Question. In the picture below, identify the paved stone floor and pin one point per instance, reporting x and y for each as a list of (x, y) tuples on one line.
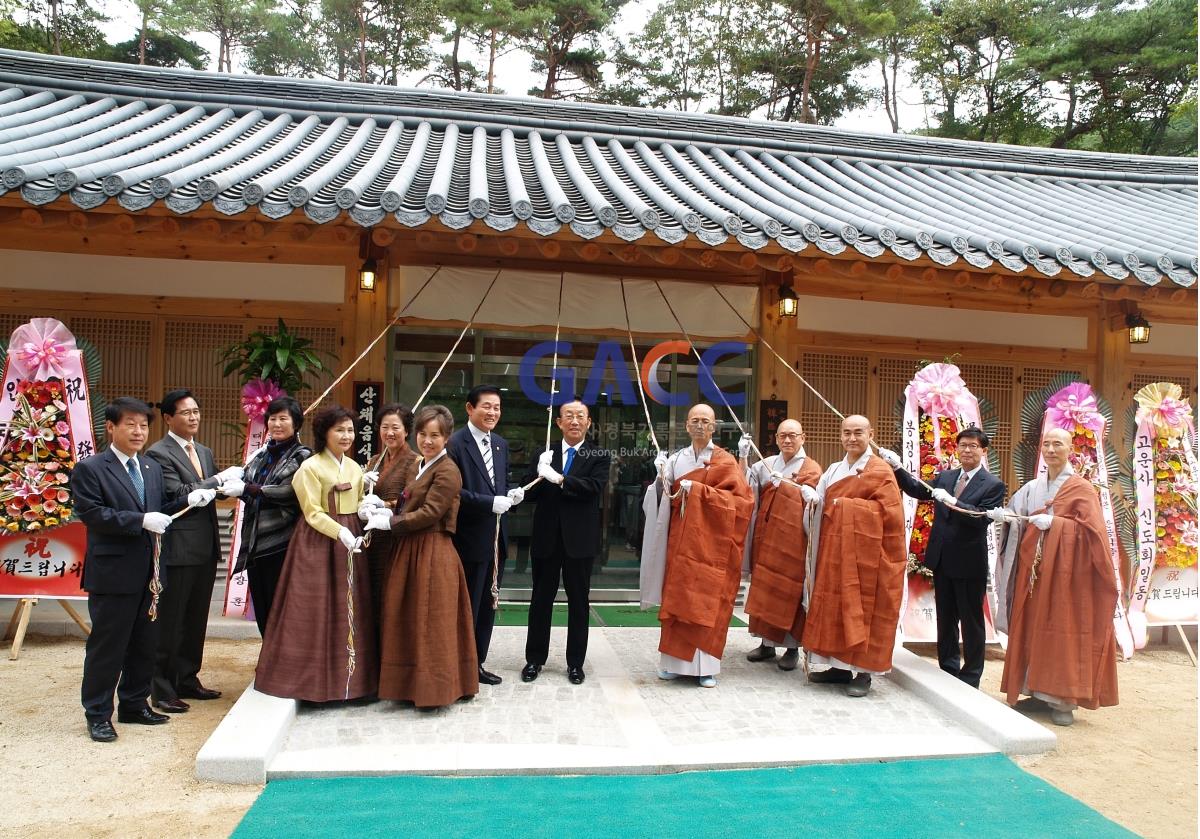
[(623, 718)]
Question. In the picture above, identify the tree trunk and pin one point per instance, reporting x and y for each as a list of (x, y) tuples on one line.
[(55, 35), (491, 77), (455, 71), (142, 40), (362, 43)]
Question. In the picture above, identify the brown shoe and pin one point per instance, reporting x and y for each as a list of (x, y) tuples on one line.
[(172, 706)]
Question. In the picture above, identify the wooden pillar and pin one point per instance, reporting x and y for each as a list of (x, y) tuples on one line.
[(1113, 375), (366, 316)]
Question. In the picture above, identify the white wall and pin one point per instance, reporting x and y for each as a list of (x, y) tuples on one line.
[(171, 277), (823, 314)]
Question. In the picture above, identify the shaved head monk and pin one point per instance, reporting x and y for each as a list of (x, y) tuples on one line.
[(858, 558), (1059, 592), (704, 519), (777, 545)]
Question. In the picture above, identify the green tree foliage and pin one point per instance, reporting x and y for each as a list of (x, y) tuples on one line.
[(61, 27), (563, 39), (161, 49)]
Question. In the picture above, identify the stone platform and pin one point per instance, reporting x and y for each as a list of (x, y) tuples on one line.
[(623, 719)]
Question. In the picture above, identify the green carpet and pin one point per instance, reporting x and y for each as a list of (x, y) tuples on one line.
[(984, 797), (633, 615), (517, 614)]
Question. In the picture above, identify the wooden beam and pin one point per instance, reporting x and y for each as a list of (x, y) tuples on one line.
[(467, 242), (383, 236), (508, 247)]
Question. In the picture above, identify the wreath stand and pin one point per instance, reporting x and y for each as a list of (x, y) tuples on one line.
[(18, 624)]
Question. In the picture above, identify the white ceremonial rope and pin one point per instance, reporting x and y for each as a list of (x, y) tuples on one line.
[(637, 369), (554, 368), (457, 341), (815, 392), (312, 405)]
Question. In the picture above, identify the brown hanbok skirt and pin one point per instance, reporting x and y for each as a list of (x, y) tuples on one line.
[(428, 638), (314, 648)]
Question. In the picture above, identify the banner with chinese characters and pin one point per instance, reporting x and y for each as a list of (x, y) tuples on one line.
[(367, 399), (1164, 473), (937, 405), (45, 428), (771, 412)]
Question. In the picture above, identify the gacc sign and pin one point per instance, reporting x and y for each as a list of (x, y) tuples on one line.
[(610, 356)]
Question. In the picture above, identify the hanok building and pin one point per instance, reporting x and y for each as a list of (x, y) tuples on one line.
[(163, 214)]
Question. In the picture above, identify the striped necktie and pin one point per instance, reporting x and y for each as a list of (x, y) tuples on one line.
[(486, 447), (963, 480), (135, 475)]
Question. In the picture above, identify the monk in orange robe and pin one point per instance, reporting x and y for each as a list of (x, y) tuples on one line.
[(858, 557), (706, 523), (1062, 648), (778, 546)]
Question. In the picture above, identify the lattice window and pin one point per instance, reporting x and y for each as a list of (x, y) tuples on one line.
[(893, 376), (9, 321), (842, 379), (125, 357), (1036, 378), (1149, 377), (994, 382), (190, 360)]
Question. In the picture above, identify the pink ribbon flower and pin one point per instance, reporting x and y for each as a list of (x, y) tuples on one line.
[(41, 348), (257, 394), (940, 390), (1075, 405)]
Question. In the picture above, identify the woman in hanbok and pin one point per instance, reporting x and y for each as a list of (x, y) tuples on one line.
[(428, 641), (320, 644), (270, 509), (386, 476)]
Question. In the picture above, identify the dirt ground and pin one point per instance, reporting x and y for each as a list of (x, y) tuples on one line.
[(1135, 763)]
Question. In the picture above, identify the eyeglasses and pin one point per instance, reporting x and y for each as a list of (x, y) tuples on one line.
[(787, 435), (969, 446)]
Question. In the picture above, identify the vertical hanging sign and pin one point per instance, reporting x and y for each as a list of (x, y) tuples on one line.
[(367, 399)]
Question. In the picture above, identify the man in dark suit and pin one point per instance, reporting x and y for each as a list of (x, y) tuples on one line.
[(482, 457), (119, 498), (191, 550), (565, 538), (957, 550)]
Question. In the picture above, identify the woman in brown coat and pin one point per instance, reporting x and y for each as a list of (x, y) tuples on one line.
[(428, 641), (388, 473)]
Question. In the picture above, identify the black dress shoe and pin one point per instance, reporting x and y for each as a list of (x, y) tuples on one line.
[(198, 692), (142, 716), (486, 678), (172, 706), (832, 676), (528, 673), (860, 685), (575, 674), (102, 732)]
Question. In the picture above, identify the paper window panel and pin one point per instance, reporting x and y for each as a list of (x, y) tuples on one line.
[(124, 345), (842, 379), (190, 360)]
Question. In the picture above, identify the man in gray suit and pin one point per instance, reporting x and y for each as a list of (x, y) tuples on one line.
[(190, 552)]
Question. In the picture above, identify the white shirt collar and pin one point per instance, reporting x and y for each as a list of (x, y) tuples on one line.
[(566, 445), (124, 458), (971, 474), (183, 443), (479, 434)]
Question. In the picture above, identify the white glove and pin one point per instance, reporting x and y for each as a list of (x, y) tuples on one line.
[(810, 495), (371, 477), (944, 497), (229, 474), (501, 504), (1041, 521), (776, 478), (516, 495), (201, 497), (348, 539), (156, 522), (1000, 514), (890, 458), (744, 446), (546, 471), (234, 488), (371, 500), (685, 485), (545, 457), (379, 520), (660, 461)]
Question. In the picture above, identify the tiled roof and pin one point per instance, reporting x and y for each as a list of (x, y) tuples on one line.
[(95, 132)]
